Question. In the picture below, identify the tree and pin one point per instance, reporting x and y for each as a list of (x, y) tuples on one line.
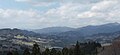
[(71, 52), (9, 53), (53, 51), (59, 53), (15, 52), (36, 49), (77, 50), (98, 45), (91, 48), (65, 51), (26, 52), (46, 52)]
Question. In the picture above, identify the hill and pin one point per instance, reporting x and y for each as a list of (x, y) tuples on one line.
[(53, 30), (15, 31)]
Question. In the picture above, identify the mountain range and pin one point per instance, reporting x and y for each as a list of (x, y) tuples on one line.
[(83, 31), (66, 35), (14, 32), (102, 33), (53, 30)]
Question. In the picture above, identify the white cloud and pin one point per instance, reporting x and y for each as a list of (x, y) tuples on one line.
[(71, 14), (104, 5), (7, 13), (22, 0), (63, 1), (18, 18), (49, 2), (101, 10)]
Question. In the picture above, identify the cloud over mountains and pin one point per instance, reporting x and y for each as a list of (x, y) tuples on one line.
[(46, 13)]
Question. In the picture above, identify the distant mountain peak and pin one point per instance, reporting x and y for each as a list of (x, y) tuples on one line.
[(115, 23), (111, 24), (53, 30), (87, 30)]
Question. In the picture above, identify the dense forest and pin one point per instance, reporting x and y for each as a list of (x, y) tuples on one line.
[(89, 48)]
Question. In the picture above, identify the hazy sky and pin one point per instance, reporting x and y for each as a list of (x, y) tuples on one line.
[(46, 13)]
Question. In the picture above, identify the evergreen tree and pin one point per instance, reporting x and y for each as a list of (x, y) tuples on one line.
[(59, 53), (91, 48), (36, 49), (98, 45), (71, 52), (15, 52), (77, 50), (53, 52), (26, 52), (46, 52), (65, 51), (9, 53)]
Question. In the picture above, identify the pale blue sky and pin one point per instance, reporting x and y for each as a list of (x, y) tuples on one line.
[(34, 14)]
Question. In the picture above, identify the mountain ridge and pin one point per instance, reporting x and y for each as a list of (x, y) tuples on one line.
[(87, 30), (53, 30)]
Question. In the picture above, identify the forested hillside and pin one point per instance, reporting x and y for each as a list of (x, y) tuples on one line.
[(89, 48)]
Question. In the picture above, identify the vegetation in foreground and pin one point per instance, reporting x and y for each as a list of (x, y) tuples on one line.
[(89, 48)]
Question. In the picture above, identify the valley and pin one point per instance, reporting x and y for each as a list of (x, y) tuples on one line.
[(19, 39)]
